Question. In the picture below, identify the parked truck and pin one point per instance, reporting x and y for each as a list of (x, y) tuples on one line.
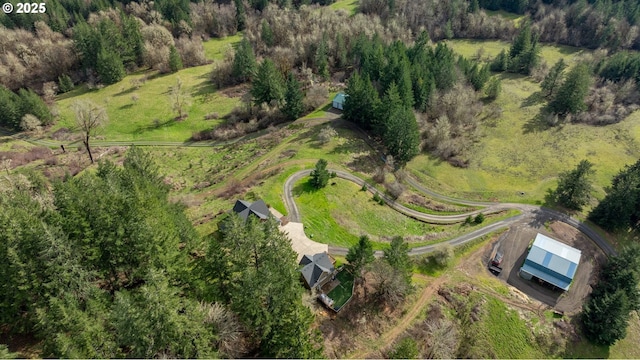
[(495, 264)]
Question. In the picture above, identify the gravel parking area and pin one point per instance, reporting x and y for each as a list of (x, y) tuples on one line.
[(514, 244)]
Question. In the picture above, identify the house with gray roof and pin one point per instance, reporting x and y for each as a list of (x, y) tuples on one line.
[(317, 269), (258, 208)]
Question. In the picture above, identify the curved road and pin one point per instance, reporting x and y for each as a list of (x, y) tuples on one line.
[(529, 212)]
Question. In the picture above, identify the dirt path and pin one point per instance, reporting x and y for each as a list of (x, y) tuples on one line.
[(405, 322)]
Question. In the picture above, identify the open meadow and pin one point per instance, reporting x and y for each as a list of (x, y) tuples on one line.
[(139, 107), (517, 154)]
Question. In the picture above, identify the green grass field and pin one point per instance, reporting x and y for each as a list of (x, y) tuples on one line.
[(516, 154), (340, 213), (507, 333), (351, 6), (151, 117), (343, 292)]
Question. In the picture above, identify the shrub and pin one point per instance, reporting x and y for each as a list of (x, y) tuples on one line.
[(442, 255), (65, 84), (316, 96), (30, 123), (364, 187), (406, 349), (479, 219), (395, 189), (326, 134)]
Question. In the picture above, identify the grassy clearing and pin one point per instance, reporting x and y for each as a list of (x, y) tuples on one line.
[(340, 213), (351, 6), (215, 49), (507, 333), (151, 117), (517, 155), (516, 18), (343, 292)]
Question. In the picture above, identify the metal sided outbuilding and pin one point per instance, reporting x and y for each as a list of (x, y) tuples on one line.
[(552, 261), (338, 101)]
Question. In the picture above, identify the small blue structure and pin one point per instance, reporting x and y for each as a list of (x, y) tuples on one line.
[(551, 261), (338, 101)]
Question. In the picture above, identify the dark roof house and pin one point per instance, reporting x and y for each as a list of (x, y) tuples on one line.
[(551, 261), (317, 270), (257, 208)]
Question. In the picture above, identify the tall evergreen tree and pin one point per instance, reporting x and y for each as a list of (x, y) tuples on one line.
[(241, 16), (109, 67), (399, 129), (10, 104), (244, 62), (268, 84), (266, 33), (553, 78), (574, 187), (265, 289), (397, 255), (175, 61), (293, 98), (360, 255), (322, 60), (620, 209), (571, 94), (320, 175), (361, 102)]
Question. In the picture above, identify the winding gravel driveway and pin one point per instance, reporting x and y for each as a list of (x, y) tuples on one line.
[(529, 213)]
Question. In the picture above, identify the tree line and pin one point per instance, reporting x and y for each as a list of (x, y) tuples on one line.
[(103, 265)]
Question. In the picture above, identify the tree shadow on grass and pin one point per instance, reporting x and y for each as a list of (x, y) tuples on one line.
[(126, 92), (537, 124), (303, 187), (363, 164), (156, 124), (533, 99), (204, 88)]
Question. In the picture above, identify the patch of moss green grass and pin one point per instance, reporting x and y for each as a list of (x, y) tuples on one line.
[(215, 48), (518, 154), (351, 6)]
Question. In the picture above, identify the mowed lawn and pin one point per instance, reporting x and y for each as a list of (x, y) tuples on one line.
[(516, 153), (340, 213), (341, 293), (151, 117)]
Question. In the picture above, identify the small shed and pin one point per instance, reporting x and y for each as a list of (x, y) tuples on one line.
[(338, 101), (551, 261)]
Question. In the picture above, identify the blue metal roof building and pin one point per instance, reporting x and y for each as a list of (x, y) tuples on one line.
[(338, 100), (551, 261)]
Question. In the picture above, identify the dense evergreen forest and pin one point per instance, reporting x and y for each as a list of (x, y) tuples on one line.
[(129, 277)]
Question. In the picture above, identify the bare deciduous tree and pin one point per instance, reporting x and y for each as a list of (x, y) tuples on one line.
[(180, 99), (90, 119)]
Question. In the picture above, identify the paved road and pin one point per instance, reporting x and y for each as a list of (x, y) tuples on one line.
[(530, 213)]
